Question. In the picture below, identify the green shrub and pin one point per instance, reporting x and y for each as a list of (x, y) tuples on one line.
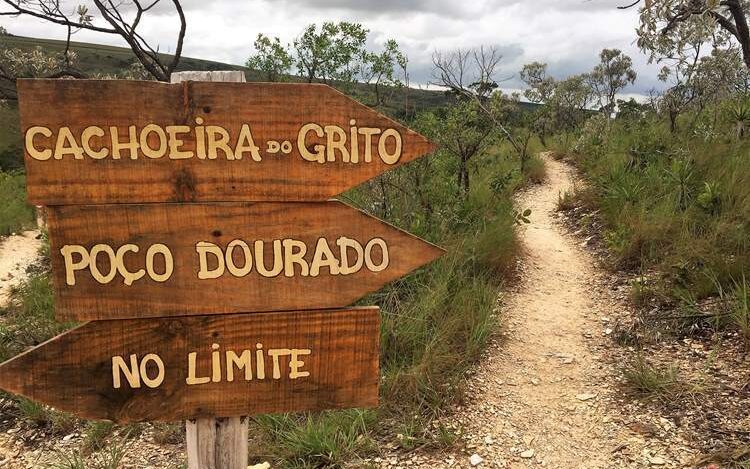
[(649, 380), (29, 318), (15, 212), (326, 440), (675, 203)]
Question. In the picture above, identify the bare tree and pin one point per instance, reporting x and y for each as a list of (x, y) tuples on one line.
[(119, 18), (472, 74)]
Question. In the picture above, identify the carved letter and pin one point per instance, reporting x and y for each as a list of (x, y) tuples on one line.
[(175, 142), (66, 145), (292, 256), (260, 263), (319, 154), (344, 244), (148, 381), (245, 143), (86, 136), (203, 248), (295, 364), (31, 149), (323, 257), (161, 150), (233, 269), (368, 255), (168, 262), (390, 158), (67, 252), (336, 144), (131, 373)]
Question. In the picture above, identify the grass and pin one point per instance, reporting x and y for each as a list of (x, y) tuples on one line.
[(108, 458), (29, 319), (740, 309), (57, 422), (95, 434), (328, 439), (674, 204), (730, 458), (15, 212), (535, 171), (648, 380)]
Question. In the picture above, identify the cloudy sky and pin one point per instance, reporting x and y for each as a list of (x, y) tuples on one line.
[(567, 34)]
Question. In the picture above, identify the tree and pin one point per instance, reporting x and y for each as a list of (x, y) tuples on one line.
[(380, 69), (33, 63), (540, 86), (663, 24), (270, 57), (332, 52), (565, 103), (464, 131), (472, 75), (610, 76), (116, 18), (570, 102)]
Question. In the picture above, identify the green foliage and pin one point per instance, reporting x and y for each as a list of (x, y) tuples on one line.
[(331, 51), (674, 203), (15, 212), (651, 381), (739, 311), (95, 434), (29, 320), (610, 76), (325, 440), (44, 416), (271, 58), (108, 458)]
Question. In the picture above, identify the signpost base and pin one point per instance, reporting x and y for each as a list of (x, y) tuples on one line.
[(217, 443)]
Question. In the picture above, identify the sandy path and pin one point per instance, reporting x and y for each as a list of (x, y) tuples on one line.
[(539, 397), (17, 252)]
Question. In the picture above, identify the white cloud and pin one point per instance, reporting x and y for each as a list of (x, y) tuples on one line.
[(567, 34)]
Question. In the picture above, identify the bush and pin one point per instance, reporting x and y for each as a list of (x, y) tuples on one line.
[(15, 212), (678, 203)]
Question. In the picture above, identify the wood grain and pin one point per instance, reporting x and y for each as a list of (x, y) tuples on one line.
[(273, 111), (73, 372), (181, 226)]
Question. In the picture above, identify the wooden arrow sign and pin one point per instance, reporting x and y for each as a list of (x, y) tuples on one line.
[(151, 260), (205, 366), (110, 141)]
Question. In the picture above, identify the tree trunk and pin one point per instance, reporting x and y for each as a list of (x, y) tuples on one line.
[(463, 176)]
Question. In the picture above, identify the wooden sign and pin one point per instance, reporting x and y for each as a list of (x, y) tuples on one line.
[(110, 141), (205, 366), (129, 261)]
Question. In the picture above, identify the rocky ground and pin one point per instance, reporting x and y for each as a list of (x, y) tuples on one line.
[(17, 252)]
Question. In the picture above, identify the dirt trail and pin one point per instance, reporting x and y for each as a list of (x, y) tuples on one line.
[(17, 252), (540, 396)]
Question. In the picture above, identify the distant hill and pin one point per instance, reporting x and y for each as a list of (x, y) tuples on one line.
[(97, 58)]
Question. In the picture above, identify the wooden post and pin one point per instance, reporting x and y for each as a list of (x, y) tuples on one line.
[(215, 443)]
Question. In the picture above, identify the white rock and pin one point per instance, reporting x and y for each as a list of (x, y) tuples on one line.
[(657, 461), (263, 465), (585, 396), (528, 454), (475, 460)]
